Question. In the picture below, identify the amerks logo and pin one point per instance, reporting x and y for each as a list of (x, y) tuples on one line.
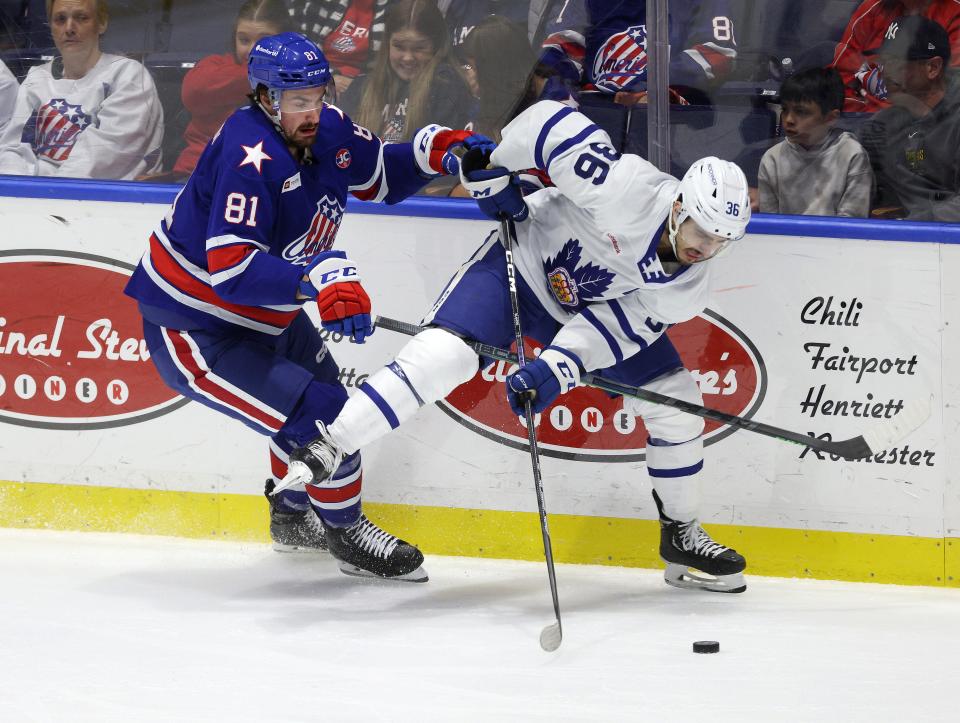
[(72, 354), (343, 158), (321, 234), (587, 425), (621, 63)]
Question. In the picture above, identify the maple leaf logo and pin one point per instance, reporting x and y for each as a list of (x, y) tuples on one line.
[(572, 285)]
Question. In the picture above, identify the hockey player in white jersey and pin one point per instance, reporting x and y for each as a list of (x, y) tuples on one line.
[(607, 260)]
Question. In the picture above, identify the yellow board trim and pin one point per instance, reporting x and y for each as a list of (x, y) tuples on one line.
[(579, 539)]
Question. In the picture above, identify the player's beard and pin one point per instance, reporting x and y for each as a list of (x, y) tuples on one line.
[(300, 139)]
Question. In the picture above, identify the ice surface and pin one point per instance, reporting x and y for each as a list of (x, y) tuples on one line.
[(123, 628)]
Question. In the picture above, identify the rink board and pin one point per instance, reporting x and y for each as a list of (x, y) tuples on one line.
[(92, 440)]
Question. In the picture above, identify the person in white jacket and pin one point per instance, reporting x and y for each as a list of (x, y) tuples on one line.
[(8, 95), (85, 114)]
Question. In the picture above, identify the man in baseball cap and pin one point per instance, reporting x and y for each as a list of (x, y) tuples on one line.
[(915, 54), (914, 146)]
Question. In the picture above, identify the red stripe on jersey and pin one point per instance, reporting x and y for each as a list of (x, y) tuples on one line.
[(718, 61), (212, 388), (367, 194), (572, 49), (335, 494), (179, 278), (223, 257), (278, 468)]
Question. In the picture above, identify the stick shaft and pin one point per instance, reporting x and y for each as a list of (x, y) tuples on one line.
[(507, 236), (854, 448)]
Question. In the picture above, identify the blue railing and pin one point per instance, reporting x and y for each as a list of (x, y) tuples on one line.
[(821, 226)]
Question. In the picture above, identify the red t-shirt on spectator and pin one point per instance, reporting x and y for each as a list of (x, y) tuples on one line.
[(865, 31), (348, 46), (211, 91)]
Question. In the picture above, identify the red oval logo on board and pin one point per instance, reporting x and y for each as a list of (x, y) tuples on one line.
[(588, 425), (72, 354)]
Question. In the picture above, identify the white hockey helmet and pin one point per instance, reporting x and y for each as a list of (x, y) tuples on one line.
[(714, 194)]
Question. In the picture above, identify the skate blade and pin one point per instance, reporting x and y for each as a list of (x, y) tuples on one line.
[(688, 578), (299, 549), (418, 575), (297, 474)]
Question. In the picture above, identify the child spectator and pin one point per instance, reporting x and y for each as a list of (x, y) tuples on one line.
[(862, 75), (218, 84), (350, 33), (86, 113), (412, 80), (8, 95), (818, 170)]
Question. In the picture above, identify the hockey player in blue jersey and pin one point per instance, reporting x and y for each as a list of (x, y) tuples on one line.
[(244, 246), (702, 44), (647, 239)]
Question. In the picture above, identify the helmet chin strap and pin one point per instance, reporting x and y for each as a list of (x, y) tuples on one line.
[(674, 222), (275, 104)]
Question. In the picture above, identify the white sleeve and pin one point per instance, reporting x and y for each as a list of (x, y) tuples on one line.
[(608, 332), (580, 159), (16, 157), (8, 95), (127, 140)]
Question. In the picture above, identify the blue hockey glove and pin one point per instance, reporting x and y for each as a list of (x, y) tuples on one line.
[(495, 190), (343, 304), (542, 380), (433, 148)]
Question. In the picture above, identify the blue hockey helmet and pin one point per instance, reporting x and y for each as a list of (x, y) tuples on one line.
[(286, 61)]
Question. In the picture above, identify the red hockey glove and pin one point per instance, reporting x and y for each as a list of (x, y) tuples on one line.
[(343, 304), (433, 147)]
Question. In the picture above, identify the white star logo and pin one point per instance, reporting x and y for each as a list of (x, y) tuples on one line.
[(255, 156)]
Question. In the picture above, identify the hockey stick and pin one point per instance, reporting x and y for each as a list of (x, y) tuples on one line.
[(551, 635), (878, 437)]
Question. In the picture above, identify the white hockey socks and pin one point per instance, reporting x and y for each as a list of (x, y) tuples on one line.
[(674, 470), (428, 368)]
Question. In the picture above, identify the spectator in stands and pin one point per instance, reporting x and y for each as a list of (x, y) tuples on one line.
[(914, 145), (702, 46), (350, 33), (818, 170), (541, 19), (86, 113), (412, 80), (862, 76), (8, 95), (218, 84), (506, 75)]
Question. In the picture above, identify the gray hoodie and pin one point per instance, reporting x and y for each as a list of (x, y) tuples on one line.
[(832, 179)]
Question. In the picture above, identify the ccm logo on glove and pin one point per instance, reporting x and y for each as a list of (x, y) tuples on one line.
[(541, 381), (344, 306)]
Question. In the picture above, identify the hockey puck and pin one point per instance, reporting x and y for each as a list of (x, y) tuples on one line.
[(706, 646)]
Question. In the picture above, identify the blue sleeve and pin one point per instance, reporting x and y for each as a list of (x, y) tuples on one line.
[(702, 42), (382, 172)]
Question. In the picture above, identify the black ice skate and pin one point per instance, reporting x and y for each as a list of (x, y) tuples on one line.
[(293, 530), (696, 561), (312, 463), (365, 550)]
